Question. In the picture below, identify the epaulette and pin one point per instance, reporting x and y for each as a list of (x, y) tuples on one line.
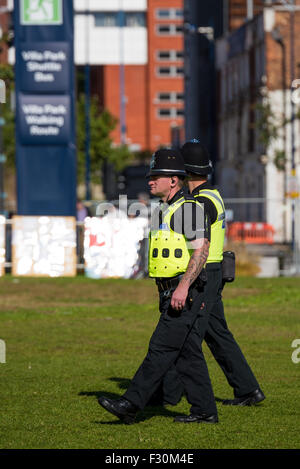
[(189, 197)]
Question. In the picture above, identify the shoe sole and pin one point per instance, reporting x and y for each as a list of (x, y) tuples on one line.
[(201, 421), (247, 402), (252, 401), (208, 423), (127, 419), (196, 421)]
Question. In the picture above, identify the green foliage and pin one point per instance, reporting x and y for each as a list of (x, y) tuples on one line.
[(269, 127), (280, 159), (265, 124), (8, 134), (101, 145), (7, 74)]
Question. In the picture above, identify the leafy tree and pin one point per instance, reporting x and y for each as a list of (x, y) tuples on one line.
[(8, 130), (101, 144), (269, 127), (265, 123)]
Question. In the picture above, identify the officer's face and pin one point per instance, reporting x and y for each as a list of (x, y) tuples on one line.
[(159, 186)]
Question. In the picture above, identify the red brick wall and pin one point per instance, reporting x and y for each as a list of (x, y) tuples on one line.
[(142, 85), (274, 51), (4, 20), (135, 92), (159, 130), (237, 12)]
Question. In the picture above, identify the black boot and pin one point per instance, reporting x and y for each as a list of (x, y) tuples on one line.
[(121, 408), (202, 418), (248, 399)]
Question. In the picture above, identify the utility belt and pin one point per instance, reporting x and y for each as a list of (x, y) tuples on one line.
[(164, 284), (168, 284)]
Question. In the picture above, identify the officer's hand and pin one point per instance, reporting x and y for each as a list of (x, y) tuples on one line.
[(179, 297)]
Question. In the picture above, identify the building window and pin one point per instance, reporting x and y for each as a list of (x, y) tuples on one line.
[(169, 113), (164, 96), (179, 112), (179, 28), (172, 97), (131, 19), (171, 71), (164, 55), (106, 19), (169, 13), (135, 19), (179, 96), (169, 55), (169, 29), (163, 13), (163, 29), (164, 71), (179, 71), (164, 112), (179, 13)]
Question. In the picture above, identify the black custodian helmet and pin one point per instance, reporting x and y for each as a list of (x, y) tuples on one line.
[(167, 162), (196, 158)]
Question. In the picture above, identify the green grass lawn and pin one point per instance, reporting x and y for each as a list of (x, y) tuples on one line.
[(70, 340)]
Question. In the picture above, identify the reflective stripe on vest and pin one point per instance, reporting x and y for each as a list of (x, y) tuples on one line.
[(168, 252), (218, 227)]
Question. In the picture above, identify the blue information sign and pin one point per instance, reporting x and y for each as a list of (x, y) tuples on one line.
[(44, 120), (45, 67), (45, 104)]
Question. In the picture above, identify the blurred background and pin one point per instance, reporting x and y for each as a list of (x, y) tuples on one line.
[(146, 74)]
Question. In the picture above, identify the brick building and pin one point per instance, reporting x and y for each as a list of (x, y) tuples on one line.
[(254, 81), (239, 10), (135, 50), (4, 27)]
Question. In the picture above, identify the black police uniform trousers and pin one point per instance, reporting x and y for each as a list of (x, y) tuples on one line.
[(176, 342), (221, 342)]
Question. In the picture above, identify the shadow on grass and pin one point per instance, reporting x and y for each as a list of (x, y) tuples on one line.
[(123, 383), (147, 413), (219, 399)]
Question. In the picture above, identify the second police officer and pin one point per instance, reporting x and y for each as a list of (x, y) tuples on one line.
[(218, 337)]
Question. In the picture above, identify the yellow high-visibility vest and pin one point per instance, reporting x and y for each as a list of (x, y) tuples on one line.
[(217, 235), (168, 252)]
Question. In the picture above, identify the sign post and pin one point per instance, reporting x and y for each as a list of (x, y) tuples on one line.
[(45, 103)]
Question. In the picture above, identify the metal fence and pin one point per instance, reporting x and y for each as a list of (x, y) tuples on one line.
[(280, 242)]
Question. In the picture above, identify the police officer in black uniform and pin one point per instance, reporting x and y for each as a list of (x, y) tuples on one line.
[(176, 259), (218, 337)]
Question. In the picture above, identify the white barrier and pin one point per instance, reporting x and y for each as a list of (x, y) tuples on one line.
[(113, 246), (2, 244), (43, 246)]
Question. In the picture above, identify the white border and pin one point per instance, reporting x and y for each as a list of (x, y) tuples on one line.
[(36, 23)]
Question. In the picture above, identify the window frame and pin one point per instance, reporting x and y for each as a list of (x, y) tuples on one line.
[(173, 71), (173, 55), (172, 29), (173, 97), (173, 13), (173, 113)]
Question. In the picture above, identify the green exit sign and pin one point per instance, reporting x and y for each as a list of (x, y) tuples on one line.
[(41, 12)]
